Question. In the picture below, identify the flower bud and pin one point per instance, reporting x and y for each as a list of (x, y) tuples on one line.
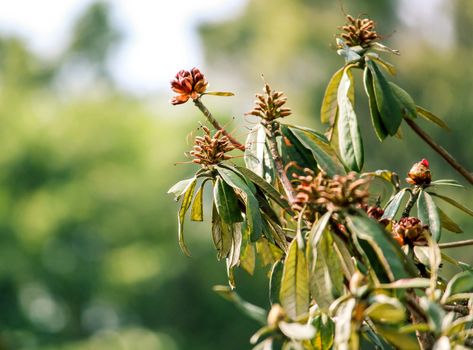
[(419, 174)]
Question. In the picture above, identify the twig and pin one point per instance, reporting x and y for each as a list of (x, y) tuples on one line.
[(426, 339), (412, 201), (216, 125), (461, 309), (273, 149), (440, 150), (456, 244)]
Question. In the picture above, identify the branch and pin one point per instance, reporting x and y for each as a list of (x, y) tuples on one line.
[(460, 309), (440, 150), (411, 202), (216, 125), (273, 149), (456, 244), (426, 339)]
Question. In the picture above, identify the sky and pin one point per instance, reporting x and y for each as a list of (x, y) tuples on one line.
[(159, 34)]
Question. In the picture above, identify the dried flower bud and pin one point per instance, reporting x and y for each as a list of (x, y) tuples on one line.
[(188, 84), (410, 230), (209, 150), (419, 174), (269, 105), (359, 32)]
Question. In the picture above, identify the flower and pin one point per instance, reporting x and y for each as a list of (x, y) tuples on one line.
[(409, 230), (211, 150), (419, 174), (270, 105), (359, 32), (188, 85)]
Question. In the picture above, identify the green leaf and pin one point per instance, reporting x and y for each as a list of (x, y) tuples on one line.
[(329, 107), (447, 223), (435, 314), (326, 274), (407, 104), (407, 283), (446, 182), (254, 149), (226, 202), (318, 228), (221, 235), (388, 251), (275, 282), (197, 213), (269, 190), (399, 340), (219, 93), (428, 214), (268, 252), (323, 153), (253, 215), (292, 150), (255, 312), (346, 336), (388, 106), (297, 331), (385, 309), (454, 203), (350, 142), (186, 202), (181, 187), (386, 65), (460, 283), (393, 205), (325, 328), (431, 117), (378, 126), (294, 293)]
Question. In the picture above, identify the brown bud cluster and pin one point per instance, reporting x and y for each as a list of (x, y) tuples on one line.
[(188, 84), (419, 174), (374, 212), (269, 105), (211, 150), (410, 231), (321, 193), (359, 32)]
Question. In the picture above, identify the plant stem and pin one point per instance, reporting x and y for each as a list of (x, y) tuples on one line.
[(411, 202), (461, 309), (440, 150), (216, 125), (273, 149), (456, 244), (426, 339)]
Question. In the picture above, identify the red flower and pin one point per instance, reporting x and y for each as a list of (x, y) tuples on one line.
[(188, 85)]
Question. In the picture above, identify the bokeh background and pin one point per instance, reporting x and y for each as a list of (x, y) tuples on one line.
[(88, 145)]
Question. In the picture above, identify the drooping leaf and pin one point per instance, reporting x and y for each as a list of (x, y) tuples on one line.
[(233, 258), (254, 149), (294, 293), (428, 214), (221, 235), (388, 106), (186, 202), (269, 190), (323, 153), (378, 126), (434, 312), (268, 252), (275, 282), (388, 251), (431, 117), (399, 340), (197, 213), (329, 103), (317, 229), (181, 187), (297, 331), (460, 283), (350, 141), (255, 312), (447, 223), (248, 259), (454, 203), (226, 202), (407, 283), (407, 104), (446, 182), (253, 215), (393, 205)]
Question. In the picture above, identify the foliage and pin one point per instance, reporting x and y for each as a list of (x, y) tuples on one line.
[(345, 270)]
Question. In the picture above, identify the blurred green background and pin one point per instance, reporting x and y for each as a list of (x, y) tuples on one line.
[(88, 245)]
